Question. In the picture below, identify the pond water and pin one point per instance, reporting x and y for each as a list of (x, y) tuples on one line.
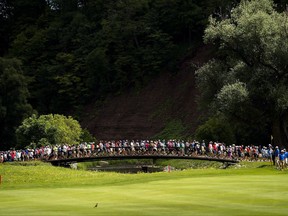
[(128, 169)]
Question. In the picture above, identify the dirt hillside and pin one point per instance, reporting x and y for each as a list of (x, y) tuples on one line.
[(143, 114)]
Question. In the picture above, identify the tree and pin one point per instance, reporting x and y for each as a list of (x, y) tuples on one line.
[(54, 56), (5, 30), (53, 129), (14, 106), (251, 69), (86, 49), (136, 47)]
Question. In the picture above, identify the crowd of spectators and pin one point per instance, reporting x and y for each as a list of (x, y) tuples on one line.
[(143, 147)]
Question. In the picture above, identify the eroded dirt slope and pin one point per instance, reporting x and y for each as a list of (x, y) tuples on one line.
[(143, 114)]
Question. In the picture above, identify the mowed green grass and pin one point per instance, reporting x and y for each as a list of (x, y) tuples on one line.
[(45, 190)]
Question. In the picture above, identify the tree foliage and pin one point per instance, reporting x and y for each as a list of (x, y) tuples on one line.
[(14, 106), (252, 66), (89, 49), (48, 129), (79, 50), (75, 51), (216, 129)]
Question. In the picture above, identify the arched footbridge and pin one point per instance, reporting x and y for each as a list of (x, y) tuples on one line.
[(66, 161)]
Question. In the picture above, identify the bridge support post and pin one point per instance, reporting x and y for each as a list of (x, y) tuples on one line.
[(145, 169), (227, 164)]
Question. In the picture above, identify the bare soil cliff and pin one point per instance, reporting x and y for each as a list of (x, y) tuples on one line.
[(145, 113)]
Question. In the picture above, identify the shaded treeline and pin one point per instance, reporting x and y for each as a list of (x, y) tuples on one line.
[(72, 51), (57, 55)]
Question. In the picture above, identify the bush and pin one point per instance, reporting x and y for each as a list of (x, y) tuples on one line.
[(216, 129), (48, 129)]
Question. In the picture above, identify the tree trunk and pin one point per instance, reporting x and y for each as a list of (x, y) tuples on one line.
[(280, 131), (136, 40)]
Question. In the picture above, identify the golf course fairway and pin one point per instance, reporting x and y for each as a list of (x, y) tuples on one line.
[(42, 189)]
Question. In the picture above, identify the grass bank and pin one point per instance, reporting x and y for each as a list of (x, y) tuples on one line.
[(175, 163), (41, 189)]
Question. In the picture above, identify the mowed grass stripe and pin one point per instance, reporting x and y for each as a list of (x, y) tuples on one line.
[(192, 192)]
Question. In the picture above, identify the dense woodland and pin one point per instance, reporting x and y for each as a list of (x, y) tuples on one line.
[(56, 56)]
